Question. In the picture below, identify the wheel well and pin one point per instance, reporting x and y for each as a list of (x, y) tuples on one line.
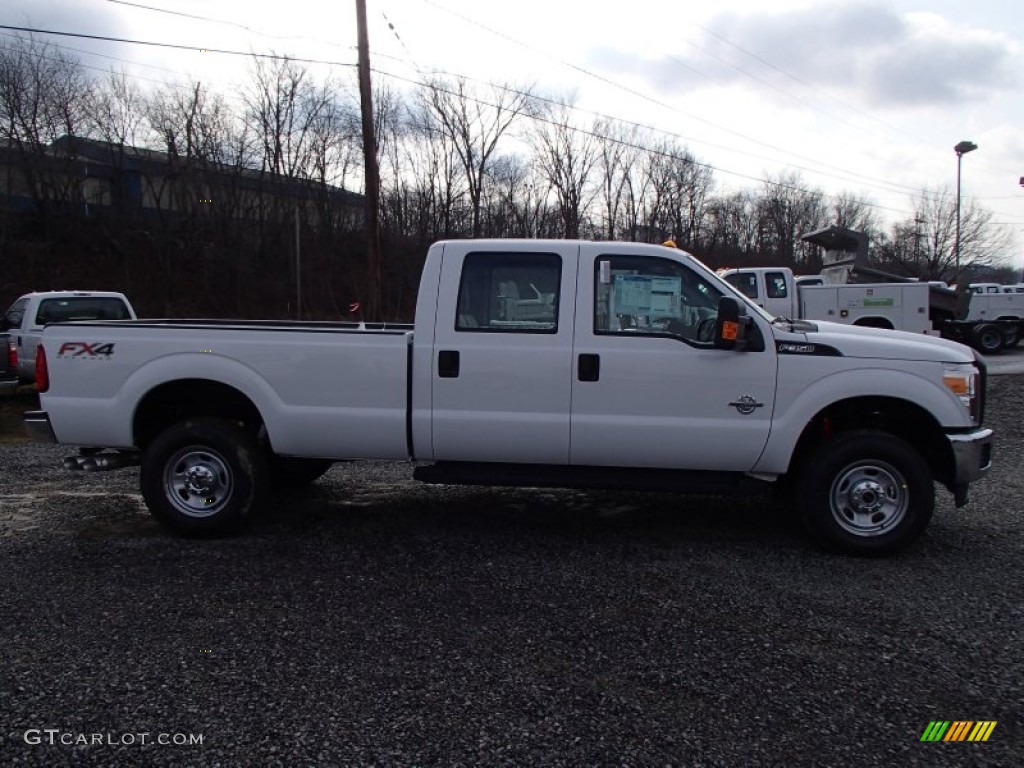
[(874, 322), (901, 418), (174, 401)]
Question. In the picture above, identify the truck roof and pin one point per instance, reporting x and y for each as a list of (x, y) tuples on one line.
[(65, 294)]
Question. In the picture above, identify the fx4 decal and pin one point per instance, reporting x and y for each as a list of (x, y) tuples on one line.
[(85, 349)]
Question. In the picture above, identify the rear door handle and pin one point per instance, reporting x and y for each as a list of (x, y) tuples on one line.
[(589, 367), (448, 364)]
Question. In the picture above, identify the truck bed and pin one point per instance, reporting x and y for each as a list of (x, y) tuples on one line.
[(327, 389)]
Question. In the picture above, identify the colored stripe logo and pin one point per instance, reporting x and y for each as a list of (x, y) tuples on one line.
[(958, 730)]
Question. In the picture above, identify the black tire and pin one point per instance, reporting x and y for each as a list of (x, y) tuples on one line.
[(866, 493), (988, 339), (203, 477), (1011, 339), (289, 472)]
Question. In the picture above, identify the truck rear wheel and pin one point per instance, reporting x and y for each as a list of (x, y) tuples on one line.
[(203, 477), (866, 493), (988, 339)]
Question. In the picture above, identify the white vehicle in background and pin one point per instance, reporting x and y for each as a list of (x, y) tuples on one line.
[(983, 288), (992, 321), (896, 306), (29, 314)]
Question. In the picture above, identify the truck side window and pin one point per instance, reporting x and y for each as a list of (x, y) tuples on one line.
[(15, 314), (775, 285), (509, 292), (744, 282), (650, 296)]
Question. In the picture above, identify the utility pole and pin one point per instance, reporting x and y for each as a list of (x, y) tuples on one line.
[(372, 172), (298, 263)]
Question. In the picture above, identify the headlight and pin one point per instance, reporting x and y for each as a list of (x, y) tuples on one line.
[(963, 382)]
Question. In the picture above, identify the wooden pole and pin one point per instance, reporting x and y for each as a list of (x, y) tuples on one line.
[(372, 172), (298, 265)]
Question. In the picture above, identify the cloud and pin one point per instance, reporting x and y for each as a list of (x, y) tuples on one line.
[(866, 49), (78, 16)]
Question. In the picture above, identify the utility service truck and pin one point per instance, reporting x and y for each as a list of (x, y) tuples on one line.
[(532, 363), (988, 320)]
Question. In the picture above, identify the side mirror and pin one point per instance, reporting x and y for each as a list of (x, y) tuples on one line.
[(730, 325)]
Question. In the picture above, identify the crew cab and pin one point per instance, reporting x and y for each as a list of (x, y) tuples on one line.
[(27, 316), (533, 363)]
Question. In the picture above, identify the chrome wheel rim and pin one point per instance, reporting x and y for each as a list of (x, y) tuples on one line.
[(869, 498), (198, 482)]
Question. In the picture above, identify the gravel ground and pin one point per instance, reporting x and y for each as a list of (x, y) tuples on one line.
[(372, 620)]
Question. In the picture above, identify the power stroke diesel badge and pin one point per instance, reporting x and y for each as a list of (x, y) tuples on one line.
[(746, 405)]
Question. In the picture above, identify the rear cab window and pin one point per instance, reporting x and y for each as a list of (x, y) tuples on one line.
[(59, 310), (509, 293)]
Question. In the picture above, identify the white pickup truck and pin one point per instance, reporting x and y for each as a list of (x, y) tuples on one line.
[(533, 363), (25, 319), (990, 322)]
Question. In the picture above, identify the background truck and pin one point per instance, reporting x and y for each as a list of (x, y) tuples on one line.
[(626, 365), (29, 314), (987, 320), (896, 306)]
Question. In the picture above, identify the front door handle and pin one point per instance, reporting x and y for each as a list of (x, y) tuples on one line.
[(448, 364), (589, 367)]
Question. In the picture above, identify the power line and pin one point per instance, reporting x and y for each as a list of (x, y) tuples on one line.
[(179, 46), (848, 173), (176, 46), (421, 83)]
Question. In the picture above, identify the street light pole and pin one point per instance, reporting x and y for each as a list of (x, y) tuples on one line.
[(961, 149)]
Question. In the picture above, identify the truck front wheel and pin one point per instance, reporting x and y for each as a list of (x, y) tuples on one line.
[(203, 477), (866, 493)]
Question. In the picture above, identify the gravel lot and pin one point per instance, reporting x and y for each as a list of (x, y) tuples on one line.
[(371, 620)]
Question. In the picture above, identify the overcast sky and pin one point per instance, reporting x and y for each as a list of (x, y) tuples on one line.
[(864, 96)]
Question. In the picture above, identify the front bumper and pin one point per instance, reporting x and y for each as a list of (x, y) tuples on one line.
[(37, 424), (972, 460)]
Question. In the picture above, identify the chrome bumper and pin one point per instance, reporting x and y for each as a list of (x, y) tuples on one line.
[(37, 424), (972, 455)]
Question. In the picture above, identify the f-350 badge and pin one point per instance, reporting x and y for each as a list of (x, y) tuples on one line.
[(746, 405)]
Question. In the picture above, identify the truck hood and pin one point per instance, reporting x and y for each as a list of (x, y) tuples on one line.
[(875, 343)]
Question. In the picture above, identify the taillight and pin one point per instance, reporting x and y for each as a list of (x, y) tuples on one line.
[(42, 373), (12, 356)]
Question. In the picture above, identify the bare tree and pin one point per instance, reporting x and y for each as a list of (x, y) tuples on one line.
[(618, 153), (44, 96), (283, 104), (787, 209), (474, 121), (925, 245), (565, 156)]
